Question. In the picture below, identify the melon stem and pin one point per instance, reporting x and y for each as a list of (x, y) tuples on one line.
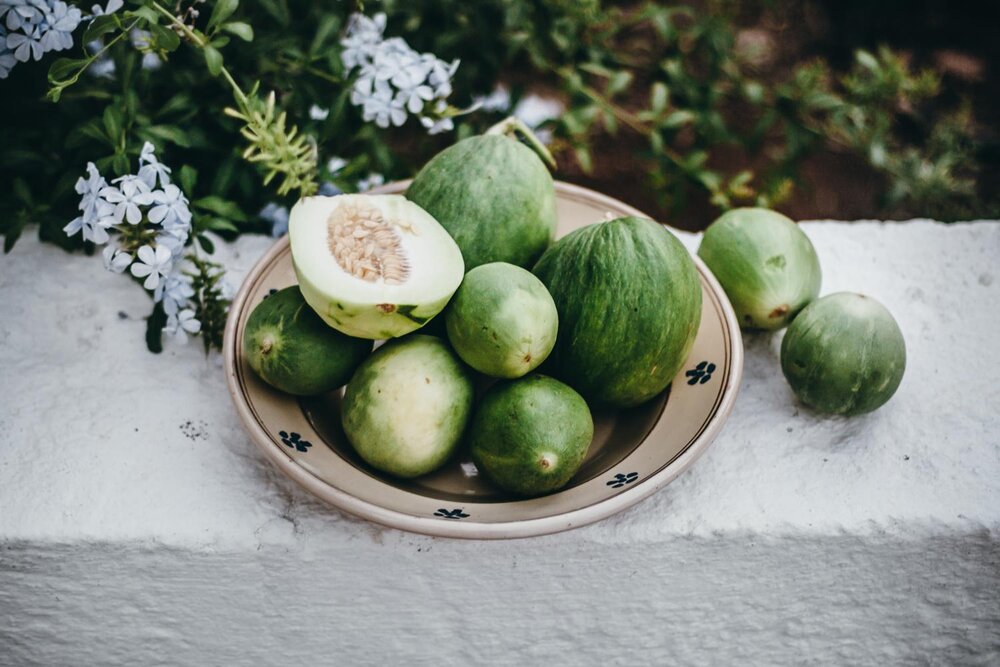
[(514, 128)]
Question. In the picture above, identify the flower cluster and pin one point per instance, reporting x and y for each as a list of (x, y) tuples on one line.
[(31, 28), (145, 220), (393, 80)]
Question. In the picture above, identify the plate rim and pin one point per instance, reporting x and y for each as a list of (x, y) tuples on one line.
[(478, 530)]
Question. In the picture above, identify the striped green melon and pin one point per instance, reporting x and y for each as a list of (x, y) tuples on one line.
[(629, 302)]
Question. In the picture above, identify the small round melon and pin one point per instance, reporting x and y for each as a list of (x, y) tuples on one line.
[(372, 266), (530, 436), (293, 350), (502, 321), (406, 407), (765, 263), (844, 354)]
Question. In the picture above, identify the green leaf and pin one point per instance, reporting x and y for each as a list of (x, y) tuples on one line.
[(206, 244), (328, 25), (63, 68), (147, 13), (13, 234), (866, 60), (154, 328), (188, 177), (169, 133), (220, 225), (113, 123), (120, 163), (214, 60), (618, 83), (223, 10), (99, 27), (22, 191), (677, 119), (165, 38), (221, 207), (242, 30), (658, 97)]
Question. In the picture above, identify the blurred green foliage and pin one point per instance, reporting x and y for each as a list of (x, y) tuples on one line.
[(673, 76)]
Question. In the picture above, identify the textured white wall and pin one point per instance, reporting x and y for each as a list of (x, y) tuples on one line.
[(138, 525)]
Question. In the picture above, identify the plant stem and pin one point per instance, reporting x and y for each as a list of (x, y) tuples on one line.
[(201, 43), (625, 116), (515, 127)]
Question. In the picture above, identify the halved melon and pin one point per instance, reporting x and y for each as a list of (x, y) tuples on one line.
[(372, 266)]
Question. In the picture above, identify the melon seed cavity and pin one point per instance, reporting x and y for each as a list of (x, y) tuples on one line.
[(366, 245)]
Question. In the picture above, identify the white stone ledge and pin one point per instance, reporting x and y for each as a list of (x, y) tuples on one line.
[(137, 520)]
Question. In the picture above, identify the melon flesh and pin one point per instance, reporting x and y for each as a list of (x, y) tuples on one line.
[(372, 266)]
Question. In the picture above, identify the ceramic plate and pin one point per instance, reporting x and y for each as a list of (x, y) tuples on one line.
[(634, 451)]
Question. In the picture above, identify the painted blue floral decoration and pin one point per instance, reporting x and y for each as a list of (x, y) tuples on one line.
[(294, 441), (451, 514), (701, 373), (621, 480)]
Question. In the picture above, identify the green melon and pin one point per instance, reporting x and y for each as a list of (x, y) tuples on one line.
[(406, 407), (502, 321), (844, 354), (293, 350), (530, 435), (493, 195), (629, 303), (765, 263), (372, 266)]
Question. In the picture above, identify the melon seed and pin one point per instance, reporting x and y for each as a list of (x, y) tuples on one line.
[(366, 245)]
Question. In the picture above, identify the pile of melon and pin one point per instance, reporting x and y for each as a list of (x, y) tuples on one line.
[(497, 338)]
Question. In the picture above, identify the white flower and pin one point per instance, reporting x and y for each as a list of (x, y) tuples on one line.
[(104, 66), (7, 59), (90, 188), (226, 290), (61, 20), (181, 324), (152, 264), (382, 108), (317, 112), (142, 41), (175, 291), (173, 241), (151, 169), (26, 45), (534, 110), (171, 207), (131, 193), (116, 260), (437, 125), (112, 7), (392, 78), (440, 73), (498, 100), (363, 37), (21, 14), (278, 217), (335, 164), (94, 229), (373, 181)]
